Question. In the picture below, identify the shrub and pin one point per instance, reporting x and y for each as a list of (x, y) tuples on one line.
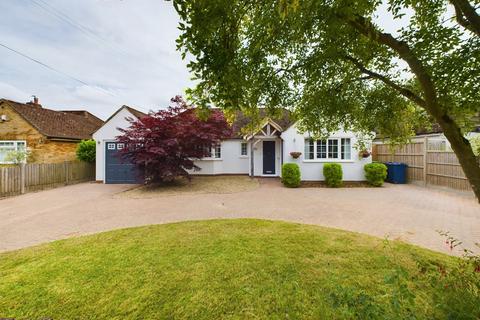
[(167, 142), (375, 173), (86, 150), (333, 174), (291, 175), (17, 157), (475, 143)]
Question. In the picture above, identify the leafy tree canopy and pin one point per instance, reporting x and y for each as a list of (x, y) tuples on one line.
[(165, 144), (334, 65), (306, 54)]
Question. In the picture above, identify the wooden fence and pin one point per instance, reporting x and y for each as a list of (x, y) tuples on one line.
[(32, 177), (428, 162)]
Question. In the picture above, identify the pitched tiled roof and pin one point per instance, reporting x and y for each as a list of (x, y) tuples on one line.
[(135, 112), (74, 125), (138, 114)]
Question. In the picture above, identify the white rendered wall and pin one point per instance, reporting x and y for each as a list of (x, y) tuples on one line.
[(312, 170), (108, 132), (231, 162)]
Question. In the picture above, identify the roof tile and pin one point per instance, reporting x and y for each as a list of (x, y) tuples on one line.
[(75, 125)]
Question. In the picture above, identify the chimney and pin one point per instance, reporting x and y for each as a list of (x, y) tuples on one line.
[(34, 102)]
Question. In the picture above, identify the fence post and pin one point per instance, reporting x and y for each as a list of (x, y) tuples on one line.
[(65, 166), (22, 178), (425, 162)]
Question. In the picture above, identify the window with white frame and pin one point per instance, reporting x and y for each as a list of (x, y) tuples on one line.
[(217, 151), (213, 152), (7, 147), (328, 149), (243, 149)]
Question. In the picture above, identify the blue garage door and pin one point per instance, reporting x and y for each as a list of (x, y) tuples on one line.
[(118, 170)]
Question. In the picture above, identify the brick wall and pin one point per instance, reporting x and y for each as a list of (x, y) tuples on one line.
[(43, 150)]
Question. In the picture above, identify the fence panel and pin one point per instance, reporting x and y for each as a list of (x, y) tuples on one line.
[(445, 170), (432, 165), (411, 154), (40, 176), (9, 181)]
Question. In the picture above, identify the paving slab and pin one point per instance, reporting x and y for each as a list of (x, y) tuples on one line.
[(406, 212)]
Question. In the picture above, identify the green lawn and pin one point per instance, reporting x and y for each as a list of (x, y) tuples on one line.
[(236, 269)]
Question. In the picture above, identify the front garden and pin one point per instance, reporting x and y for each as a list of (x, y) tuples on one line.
[(235, 269), (375, 175), (194, 185)]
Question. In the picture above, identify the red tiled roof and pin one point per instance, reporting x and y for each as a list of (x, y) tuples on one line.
[(74, 125)]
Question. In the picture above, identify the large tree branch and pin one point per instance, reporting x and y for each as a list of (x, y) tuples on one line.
[(366, 28), (409, 94), (466, 15), (452, 131)]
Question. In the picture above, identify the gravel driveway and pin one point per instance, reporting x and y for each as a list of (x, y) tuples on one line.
[(406, 212)]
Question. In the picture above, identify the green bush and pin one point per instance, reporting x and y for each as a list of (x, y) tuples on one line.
[(375, 173), (333, 174), (475, 142), (291, 175), (86, 150)]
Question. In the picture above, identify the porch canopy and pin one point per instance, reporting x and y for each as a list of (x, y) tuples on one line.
[(269, 131)]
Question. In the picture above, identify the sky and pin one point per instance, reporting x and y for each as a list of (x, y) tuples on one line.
[(109, 53), (122, 51)]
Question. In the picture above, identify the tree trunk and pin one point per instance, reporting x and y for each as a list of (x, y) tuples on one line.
[(467, 15), (430, 103), (463, 151)]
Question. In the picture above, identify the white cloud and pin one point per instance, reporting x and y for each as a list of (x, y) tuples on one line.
[(132, 54), (10, 92), (135, 57)]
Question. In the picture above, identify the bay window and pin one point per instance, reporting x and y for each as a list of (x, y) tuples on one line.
[(328, 149)]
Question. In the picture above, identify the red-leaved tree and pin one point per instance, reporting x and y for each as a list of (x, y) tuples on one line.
[(164, 144)]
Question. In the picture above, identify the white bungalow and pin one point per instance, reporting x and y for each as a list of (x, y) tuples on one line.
[(260, 154)]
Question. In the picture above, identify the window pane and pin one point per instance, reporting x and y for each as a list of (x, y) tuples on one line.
[(5, 148), (244, 150), (321, 149), (218, 151), (346, 149), (3, 154), (309, 149), (332, 148)]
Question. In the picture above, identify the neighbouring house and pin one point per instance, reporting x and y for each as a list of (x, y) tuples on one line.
[(261, 153), (50, 136)]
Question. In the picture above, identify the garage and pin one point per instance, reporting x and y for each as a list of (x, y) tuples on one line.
[(109, 165), (118, 170)]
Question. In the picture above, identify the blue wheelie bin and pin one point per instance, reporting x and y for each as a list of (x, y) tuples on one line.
[(396, 172)]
